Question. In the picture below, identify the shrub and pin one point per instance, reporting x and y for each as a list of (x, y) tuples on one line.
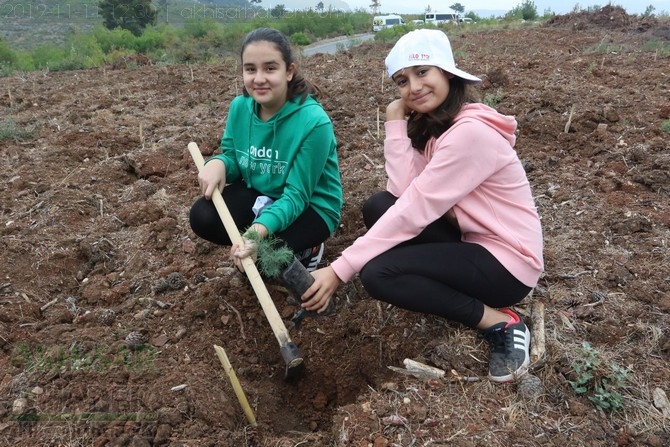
[(601, 383), (116, 39), (153, 39), (658, 46), (9, 131), (7, 56), (47, 56), (388, 35), (493, 99), (300, 39), (198, 28), (84, 50), (81, 51)]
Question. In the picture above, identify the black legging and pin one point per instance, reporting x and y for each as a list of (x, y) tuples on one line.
[(437, 273), (307, 231)]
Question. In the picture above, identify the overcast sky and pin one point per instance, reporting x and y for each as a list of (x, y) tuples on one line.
[(411, 7)]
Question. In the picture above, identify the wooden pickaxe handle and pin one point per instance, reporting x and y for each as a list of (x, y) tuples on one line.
[(277, 324)]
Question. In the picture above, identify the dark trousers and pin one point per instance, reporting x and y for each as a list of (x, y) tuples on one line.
[(436, 273), (307, 231)]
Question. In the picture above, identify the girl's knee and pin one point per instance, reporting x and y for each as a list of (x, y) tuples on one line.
[(376, 206)]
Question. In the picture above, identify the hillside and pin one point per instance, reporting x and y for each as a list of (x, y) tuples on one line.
[(30, 23)]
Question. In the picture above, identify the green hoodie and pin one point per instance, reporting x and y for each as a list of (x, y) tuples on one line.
[(290, 158)]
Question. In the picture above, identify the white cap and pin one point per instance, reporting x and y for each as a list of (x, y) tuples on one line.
[(425, 47)]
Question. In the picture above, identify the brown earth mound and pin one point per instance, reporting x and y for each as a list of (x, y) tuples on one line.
[(607, 17)]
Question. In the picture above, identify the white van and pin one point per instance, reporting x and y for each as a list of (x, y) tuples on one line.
[(438, 18), (388, 21)]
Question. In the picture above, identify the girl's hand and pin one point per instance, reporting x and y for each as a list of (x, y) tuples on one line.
[(249, 247), (397, 110), (212, 175), (318, 296)]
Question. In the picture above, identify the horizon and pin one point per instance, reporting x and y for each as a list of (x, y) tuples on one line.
[(501, 7)]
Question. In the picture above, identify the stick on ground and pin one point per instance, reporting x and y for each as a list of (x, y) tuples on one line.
[(239, 392), (537, 346)]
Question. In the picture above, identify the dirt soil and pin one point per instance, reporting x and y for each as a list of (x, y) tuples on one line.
[(95, 245)]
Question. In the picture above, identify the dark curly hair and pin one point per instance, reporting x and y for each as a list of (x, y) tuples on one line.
[(298, 85), (422, 127)]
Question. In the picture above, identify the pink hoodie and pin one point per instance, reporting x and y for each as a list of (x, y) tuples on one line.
[(471, 172)]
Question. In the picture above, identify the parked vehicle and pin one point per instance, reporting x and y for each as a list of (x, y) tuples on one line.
[(387, 21), (466, 20), (438, 18)]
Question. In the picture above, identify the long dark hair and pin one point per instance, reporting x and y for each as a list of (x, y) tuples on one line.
[(422, 127), (297, 86)]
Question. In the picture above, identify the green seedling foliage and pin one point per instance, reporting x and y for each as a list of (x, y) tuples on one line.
[(115, 39), (273, 255)]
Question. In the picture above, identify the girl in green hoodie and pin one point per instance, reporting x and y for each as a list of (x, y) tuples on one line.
[(278, 169)]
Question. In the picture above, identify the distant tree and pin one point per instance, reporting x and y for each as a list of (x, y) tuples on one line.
[(132, 15), (471, 15), (529, 10), (375, 6), (256, 2), (526, 11), (649, 11), (278, 11), (548, 13), (458, 8), (428, 8), (319, 6)]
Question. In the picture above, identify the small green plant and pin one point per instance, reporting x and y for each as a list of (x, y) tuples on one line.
[(600, 382), (6, 70), (665, 126), (658, 46), (493, 99), (9, 131), (591, 67), (273, 255)]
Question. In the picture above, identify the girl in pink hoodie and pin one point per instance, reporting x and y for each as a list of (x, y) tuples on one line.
[(456, 233)]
